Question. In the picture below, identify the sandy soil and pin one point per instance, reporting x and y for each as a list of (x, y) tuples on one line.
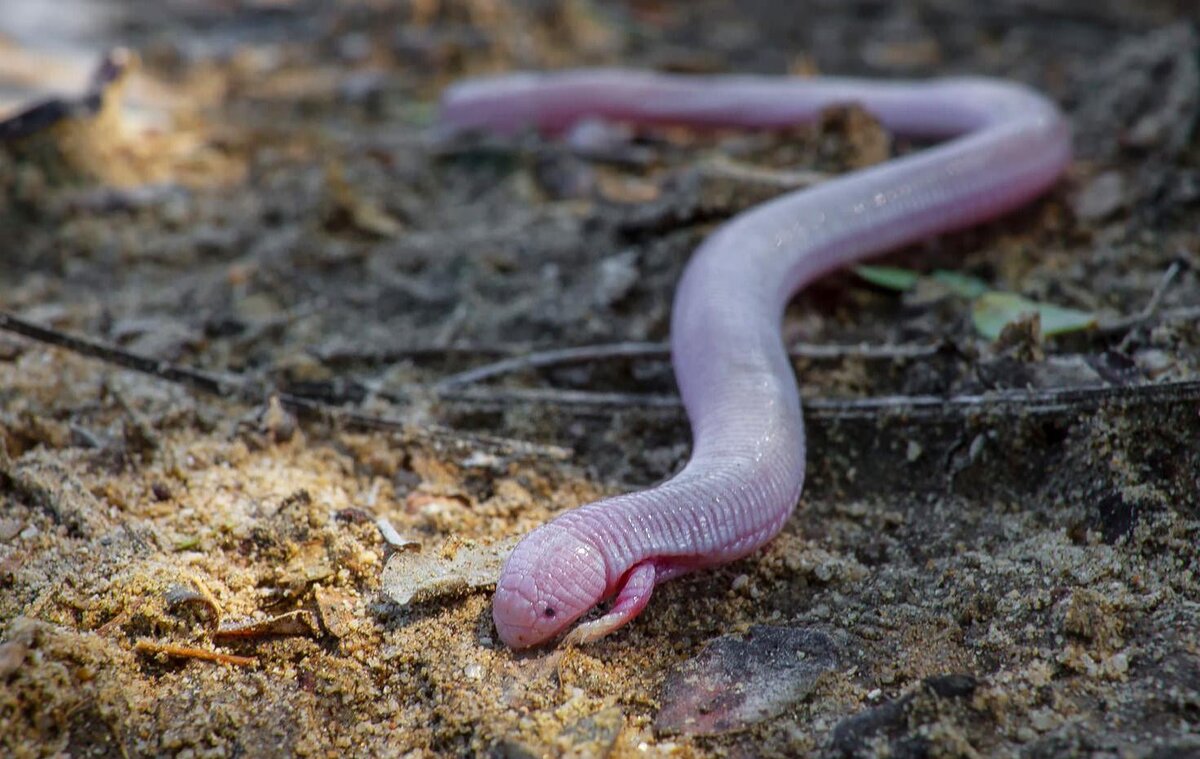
[(199, 574)]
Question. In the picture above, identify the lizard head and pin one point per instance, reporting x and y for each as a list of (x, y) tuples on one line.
[(552, 578)]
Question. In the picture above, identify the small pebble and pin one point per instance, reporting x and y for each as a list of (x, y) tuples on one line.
[(738, 681), (914, 451), (9, 529), (1102, 197), (618, 275)]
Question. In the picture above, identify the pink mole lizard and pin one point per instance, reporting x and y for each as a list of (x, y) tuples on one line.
[(747, 466)]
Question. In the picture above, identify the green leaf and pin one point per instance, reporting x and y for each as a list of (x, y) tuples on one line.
[(1057, 320), (418, 113), (962, 285), (187, 542), (890, 277), (993, 311)]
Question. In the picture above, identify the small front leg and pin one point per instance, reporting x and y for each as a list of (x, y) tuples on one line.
[(631, 599)]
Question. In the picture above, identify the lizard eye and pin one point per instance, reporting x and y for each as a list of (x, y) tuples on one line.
[(549, 612)]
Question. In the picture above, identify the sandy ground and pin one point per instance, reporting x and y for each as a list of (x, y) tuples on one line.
[(196, 573)]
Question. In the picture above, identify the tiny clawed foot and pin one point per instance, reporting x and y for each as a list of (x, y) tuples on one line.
[(631, 599)]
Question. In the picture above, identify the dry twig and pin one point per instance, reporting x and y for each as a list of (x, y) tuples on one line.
[(233, 386), (1034, 402), (590, 353), (918, 407), (188, 652)]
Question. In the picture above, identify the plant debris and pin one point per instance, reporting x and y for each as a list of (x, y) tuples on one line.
[(299, 622), (459, 566)]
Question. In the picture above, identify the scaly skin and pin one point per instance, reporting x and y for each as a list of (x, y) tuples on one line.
[(747, 466)]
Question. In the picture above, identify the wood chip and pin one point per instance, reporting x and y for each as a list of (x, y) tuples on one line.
[(299, 622), (336, 608)]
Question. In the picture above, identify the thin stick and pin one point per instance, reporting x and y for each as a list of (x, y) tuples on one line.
[(341, 356), (590, 353), (233, 386), (1146, 314), (213, 383), (436, 433), (1161, 290), (1032, 402), (496, 396), (554, 357), (187, 652)]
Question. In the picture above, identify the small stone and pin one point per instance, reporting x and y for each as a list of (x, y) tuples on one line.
[(161, 491), (823, 572), (354, 47), (513, 748), (484, 460), (277, 422), (161, 337), (1102, 197), (592, 135), (1154, 362), (12, 656), (10, 528), (618, 275), (592, 736), (336, 608), (736, 682), (1043, 720), (11, 348), (196, 605), (914, 451), (363, 88), (565, 177), (867, 729), (1118, 664)]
